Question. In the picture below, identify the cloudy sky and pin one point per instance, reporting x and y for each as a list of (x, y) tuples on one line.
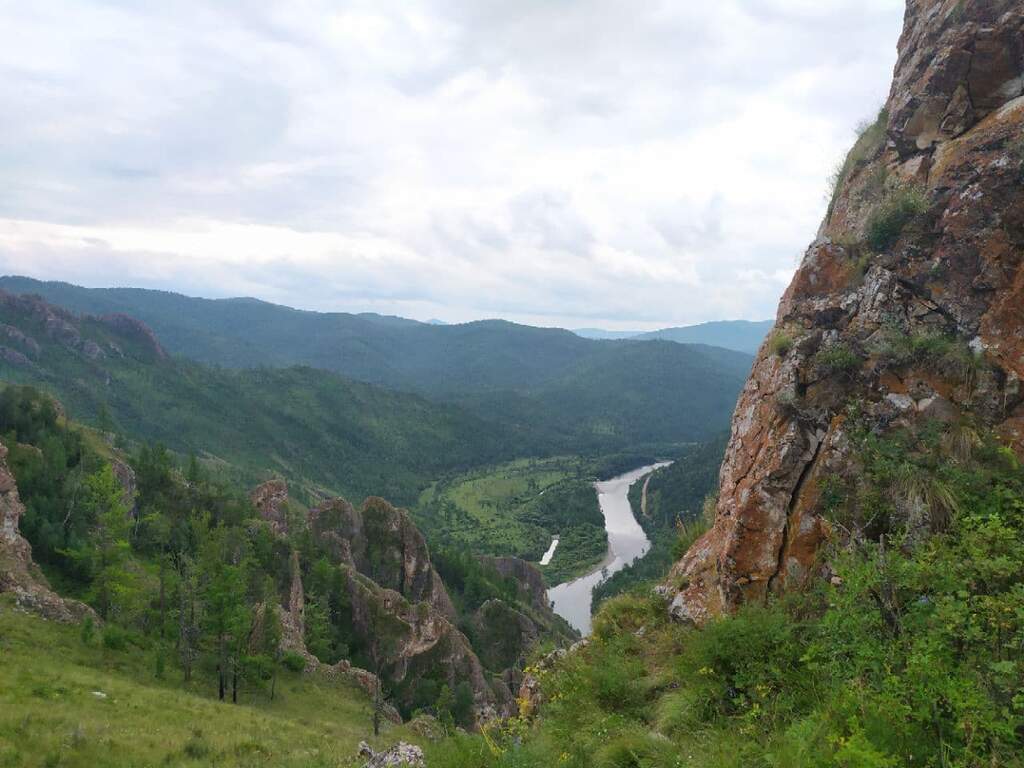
[(615, 163)]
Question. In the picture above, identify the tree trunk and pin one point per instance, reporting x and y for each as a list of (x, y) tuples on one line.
[(221, 671), (163, 597)]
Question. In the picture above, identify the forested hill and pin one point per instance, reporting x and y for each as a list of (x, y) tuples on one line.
[(313, 426), (431, 359), (546, 390)]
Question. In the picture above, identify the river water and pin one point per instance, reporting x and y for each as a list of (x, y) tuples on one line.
[(626, 542)]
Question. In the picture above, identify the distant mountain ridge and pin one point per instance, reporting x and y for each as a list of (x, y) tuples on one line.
[(549, 389), (738, 335)]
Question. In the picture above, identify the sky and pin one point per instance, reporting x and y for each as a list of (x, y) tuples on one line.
[(626, 164)]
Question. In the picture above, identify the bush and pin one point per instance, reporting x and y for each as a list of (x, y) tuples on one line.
[(886, 222), (780, 343), (688, 533), (637, 750), (626, 613), (293, 661), (837, 359), (115, 638)]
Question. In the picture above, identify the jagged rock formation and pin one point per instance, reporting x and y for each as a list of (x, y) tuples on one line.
[(527, 575), (19, 575), (924, 239), (137, 331), (65, 328), (505, 633), (383, 543), (270, 500)]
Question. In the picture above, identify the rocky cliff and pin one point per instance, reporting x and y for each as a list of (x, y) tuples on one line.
[(909, 304), (382, 543), (398, 608)]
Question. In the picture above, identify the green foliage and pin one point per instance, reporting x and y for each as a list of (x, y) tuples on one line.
[(497, 390), (48, 711), (293, 662), (471, 582), (517, 508), (897, 209), (50, 463), (936, 351), (837, 359), (870, 141), (912, 655), (780, 342)]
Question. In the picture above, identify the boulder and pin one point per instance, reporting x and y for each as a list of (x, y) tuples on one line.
[(401, 754)]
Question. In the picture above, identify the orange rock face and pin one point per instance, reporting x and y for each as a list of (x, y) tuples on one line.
[(955, 137)]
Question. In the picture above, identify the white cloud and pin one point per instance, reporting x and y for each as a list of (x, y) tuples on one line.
[(574, 163)]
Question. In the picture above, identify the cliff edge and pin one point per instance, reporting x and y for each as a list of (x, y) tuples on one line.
[(909, 306)]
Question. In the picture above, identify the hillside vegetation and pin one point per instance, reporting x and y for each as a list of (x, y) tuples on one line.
[(69, 702), (911, 654), (548, 389), (318, 429), (517, 508)]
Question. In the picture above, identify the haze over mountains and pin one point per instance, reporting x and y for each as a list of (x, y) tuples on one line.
[(739, 335)]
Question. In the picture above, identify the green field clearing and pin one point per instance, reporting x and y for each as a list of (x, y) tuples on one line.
[(516, 508)]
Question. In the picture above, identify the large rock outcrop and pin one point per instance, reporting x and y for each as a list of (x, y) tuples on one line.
[(924, 239), (19, 575), (504, 634), (382, 542), (270, 499)]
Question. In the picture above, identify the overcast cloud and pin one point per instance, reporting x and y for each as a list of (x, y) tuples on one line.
[(627, 164)]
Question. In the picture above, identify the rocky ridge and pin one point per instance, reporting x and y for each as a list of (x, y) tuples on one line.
[(924, 240), (399, 605)]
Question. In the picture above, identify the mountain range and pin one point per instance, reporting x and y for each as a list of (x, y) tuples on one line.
[(739, 335), (355, 404)]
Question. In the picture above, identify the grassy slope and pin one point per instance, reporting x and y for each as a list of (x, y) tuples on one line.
[(49, 715)]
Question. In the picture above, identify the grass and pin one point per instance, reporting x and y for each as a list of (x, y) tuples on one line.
[(51, 713), (837, 359), (780, 343), (888, 219), (870, 141)]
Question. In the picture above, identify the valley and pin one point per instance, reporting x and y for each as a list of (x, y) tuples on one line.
[(236, 533)]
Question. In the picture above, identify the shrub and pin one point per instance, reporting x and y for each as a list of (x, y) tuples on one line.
[(886, 222), (780, 343), (115, 638), (626, 613), (836, 359), (88, 631), (687, 533), (293, 661), (637, 750)]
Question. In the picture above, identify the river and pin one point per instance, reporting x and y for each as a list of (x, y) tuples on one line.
[(626, 542)]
